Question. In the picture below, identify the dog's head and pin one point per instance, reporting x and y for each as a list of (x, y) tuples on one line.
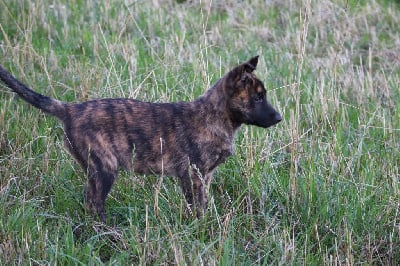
[(247, 101)]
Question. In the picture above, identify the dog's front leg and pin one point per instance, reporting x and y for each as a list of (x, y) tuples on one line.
[(187, 190), (199, 196), (194, 190)]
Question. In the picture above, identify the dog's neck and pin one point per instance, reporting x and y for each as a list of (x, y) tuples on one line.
[(215, 99)]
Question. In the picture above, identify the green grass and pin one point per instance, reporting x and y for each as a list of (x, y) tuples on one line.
[(320, 188)]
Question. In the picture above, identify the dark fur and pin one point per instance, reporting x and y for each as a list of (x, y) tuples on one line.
[(184, 139)]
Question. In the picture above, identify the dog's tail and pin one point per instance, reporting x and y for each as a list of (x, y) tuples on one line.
[(47, 104)]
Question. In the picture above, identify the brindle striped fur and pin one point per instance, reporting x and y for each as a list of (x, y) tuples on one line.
[(108, 134)]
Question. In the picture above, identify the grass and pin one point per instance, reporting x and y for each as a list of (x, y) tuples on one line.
[(321, 188)]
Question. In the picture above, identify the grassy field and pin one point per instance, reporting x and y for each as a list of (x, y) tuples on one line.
[(320, 188)]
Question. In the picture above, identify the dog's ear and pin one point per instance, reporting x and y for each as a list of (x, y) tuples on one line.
[(248, 67), (237, 77), (251, 65)]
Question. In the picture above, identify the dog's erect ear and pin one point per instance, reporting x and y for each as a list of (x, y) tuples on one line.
[(240, 73), (251, 65), (248, 67)]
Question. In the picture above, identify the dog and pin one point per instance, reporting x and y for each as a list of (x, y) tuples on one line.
[(183, 139)]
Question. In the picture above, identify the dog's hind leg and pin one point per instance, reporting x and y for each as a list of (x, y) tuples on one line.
[(105, 180), (101, 176), (90, 194), (98, 186)]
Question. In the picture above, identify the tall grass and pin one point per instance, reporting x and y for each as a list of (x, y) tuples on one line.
[(320, 188)]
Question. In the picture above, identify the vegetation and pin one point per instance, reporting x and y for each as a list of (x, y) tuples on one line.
[(320, 188)]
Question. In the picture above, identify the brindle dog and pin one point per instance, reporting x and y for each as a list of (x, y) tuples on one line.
[(184, 139)]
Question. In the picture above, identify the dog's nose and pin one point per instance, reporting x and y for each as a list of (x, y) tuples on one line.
[(278, 117)]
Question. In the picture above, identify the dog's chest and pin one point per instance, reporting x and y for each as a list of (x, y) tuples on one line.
[(216, 154)]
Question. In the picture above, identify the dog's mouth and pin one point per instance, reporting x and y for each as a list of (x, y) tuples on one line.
[(265, 117), (265, 123), (278, 118)]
